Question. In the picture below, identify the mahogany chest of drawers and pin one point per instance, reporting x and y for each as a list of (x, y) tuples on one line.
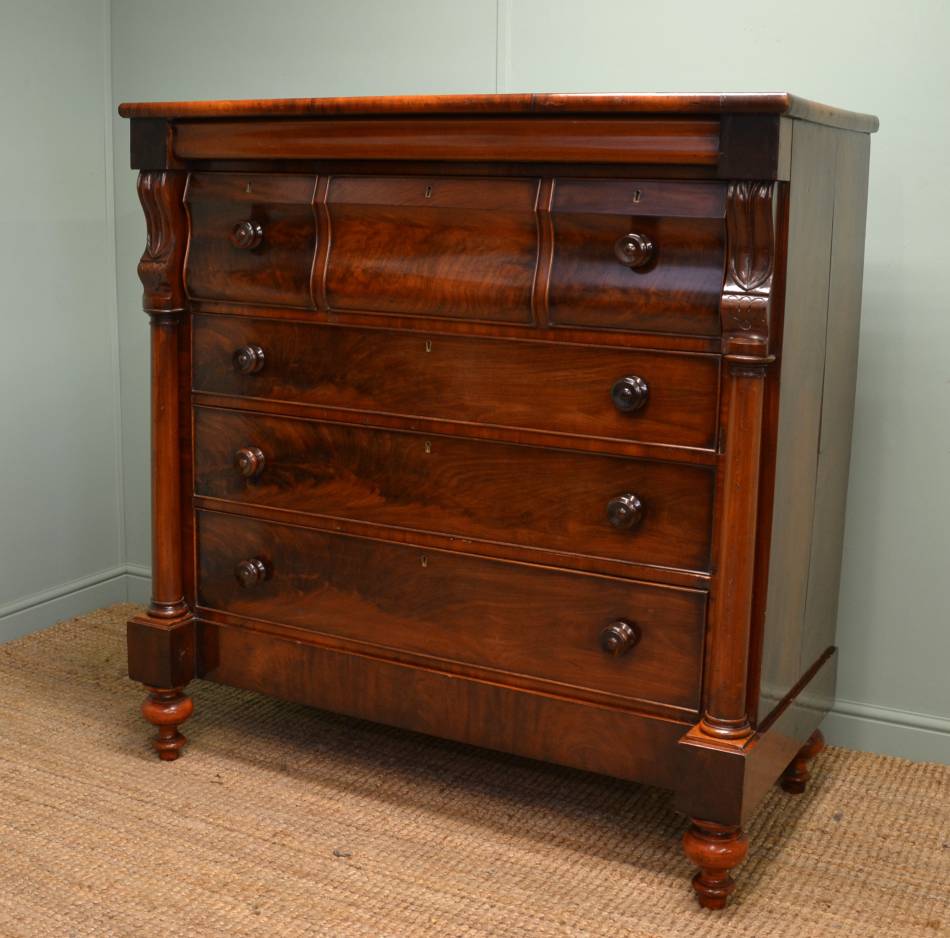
[(521, 420)]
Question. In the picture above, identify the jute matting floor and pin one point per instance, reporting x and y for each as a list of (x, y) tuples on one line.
[(281, 820)]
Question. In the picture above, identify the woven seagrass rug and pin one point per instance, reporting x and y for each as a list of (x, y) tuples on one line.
[(282, 820)]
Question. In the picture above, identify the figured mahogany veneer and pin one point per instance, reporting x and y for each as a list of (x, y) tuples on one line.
[(554, 500), (542, 387), (523, 420), (510, 618), (269, 259), (666, 278)]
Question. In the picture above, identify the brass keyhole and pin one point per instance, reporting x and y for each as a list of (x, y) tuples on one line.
[(428, 192), (428, 345), (427, 446), (247, 188), (636, 195), (424, 560)]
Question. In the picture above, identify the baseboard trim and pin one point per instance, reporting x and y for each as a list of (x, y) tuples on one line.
[(923, 737), (139, 583), (43, 609), (119, 584)]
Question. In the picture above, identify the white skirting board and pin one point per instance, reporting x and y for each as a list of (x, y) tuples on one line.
[(857, 725)]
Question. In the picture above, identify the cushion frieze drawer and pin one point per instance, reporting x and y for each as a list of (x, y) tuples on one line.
[(636, 511), (612, 636), (252, 237), (609, 393)]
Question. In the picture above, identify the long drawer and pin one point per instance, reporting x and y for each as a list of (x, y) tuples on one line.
[(609, 393), (618, 637), (630, 510)]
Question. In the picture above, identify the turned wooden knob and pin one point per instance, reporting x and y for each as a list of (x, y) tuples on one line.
[(625, 511), (249, 461), (629, 394), (249, 360), (247, 235), (619, 637), (251, 572), (634, 250)]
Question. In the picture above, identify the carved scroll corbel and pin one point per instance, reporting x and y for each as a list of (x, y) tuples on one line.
[(745, 307), (160, 268)]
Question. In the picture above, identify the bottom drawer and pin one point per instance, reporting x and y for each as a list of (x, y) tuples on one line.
[(536, 622)]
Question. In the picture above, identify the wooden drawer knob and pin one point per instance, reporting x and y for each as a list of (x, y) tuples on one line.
[(634, 250), (249, 461), (249, 360), (625, 512), (247, 235), (629, 394), (251, 572), (619, 637)]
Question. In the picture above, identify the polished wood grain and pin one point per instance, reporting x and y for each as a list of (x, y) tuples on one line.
[(608, 739), (167, 708), (635, 140), (716, 849), (465, 489), (432, 246), (511, 618), (564, 389), (550, 103), (520, 420), (672, 287), (251, 237)]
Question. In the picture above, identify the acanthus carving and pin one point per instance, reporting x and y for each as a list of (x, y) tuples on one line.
[(750, 264), (160, 268)]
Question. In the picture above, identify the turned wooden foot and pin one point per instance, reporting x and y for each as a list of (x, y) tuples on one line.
[(715, 849), (167, 708), (796, 776)]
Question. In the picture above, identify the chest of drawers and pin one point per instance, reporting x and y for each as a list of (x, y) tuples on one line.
[(521, 420)]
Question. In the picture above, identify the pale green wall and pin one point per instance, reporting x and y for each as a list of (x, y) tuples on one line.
[(894, 622), (61, 534)]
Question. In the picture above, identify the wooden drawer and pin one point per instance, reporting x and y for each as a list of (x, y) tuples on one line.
[(536, 622), (432, 246), (269, 260), (543, 386), (679, 241), (549, 499)]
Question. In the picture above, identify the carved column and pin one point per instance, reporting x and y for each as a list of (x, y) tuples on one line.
[(744, 310), (161, 643)]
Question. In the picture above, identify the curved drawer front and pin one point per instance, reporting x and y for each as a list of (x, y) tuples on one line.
[(432, 246), (252, 238), (524, 620), (641, 255), (603, 506), (543, 386)]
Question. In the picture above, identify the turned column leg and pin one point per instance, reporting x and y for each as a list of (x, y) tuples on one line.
[(716, 849), (167, 708), (161, 642), (796, 775)]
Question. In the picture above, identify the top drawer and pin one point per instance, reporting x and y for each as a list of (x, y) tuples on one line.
[(252, 238), (455, 248), (644, 255)]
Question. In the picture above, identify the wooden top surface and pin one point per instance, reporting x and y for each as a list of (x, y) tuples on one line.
[(502, 104)]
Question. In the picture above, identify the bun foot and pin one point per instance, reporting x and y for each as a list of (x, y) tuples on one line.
[(795, 777), (715, 849), (167, 708)]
